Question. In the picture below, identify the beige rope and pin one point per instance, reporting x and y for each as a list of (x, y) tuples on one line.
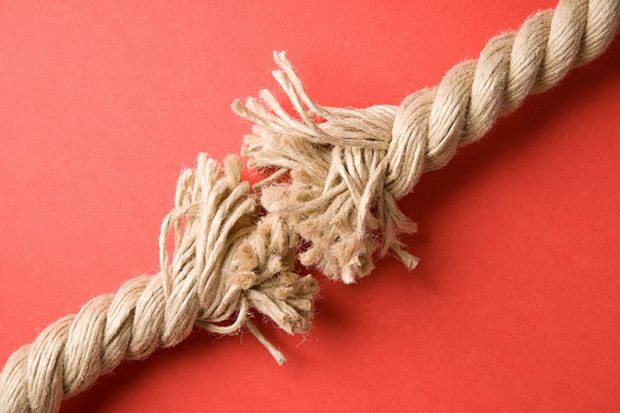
[(222, 265), (350, 166)]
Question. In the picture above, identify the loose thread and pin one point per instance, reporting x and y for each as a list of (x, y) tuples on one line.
[(273, 350)]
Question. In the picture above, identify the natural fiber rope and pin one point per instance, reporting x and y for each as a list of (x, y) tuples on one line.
[(222, 265), (348, 168)]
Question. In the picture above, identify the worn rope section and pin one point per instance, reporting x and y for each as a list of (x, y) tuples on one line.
[(222, 265), (349, 167)]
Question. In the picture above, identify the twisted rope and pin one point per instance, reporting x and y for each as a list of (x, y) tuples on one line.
[(222, 266), (349, 167)]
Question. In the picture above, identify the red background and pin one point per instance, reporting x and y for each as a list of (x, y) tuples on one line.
[(514, 306)]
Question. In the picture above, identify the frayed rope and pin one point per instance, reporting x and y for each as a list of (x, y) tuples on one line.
[(336, 175)]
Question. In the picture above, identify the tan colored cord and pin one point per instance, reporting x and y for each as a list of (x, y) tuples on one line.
[(221, 266), (348, 168)]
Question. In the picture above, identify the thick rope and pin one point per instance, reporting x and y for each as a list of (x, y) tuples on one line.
[(222, 265), (349, 167)]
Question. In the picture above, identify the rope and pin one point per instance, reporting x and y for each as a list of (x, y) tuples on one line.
[(349, 167), (222, 265)]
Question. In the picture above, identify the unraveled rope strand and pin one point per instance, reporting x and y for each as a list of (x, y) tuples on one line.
[(349, 167), (223, 264)]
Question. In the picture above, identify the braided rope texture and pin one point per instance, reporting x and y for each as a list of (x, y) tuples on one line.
[(349, 167)]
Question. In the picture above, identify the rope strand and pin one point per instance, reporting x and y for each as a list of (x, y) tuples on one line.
[(349, 167), (222, 266)]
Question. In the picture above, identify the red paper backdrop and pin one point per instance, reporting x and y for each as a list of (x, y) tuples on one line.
[(515, 305)]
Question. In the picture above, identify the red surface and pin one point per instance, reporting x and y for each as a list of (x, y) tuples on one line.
[(515, 306)]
